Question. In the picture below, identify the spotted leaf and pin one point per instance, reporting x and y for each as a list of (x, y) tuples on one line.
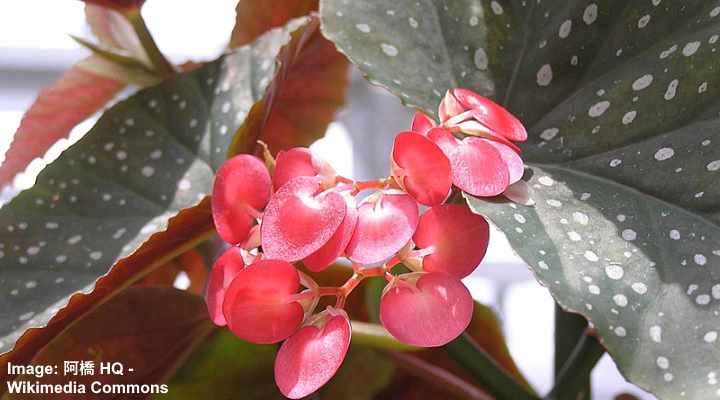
[(621, 104), (147, 158)]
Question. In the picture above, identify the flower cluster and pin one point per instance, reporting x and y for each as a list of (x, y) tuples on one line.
[(296, 209)]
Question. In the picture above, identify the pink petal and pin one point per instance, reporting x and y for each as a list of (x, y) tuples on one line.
[(335, 247), (515, 164), (421, 168), (519, 192), (475, 128), (478, 168), (426, 309), (440, 227), (449, 107), (77, 95), (300, 219), (492, 115), (310, 357), (384, 226), (444, 139), (242, 184), (298, 161), (421, 123), (225, 269), (257, 303)]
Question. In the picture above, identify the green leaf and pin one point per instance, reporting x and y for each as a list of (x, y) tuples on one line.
[(621, 103), (224, 366), (147, 158), (364, 373)]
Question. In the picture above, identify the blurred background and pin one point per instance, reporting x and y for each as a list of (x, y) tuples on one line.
[(35, 49)]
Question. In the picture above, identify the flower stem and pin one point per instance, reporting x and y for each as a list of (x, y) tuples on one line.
[(485, 370), (161, 65), (573, 375)]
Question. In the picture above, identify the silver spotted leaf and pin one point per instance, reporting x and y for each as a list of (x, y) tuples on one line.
[(621, 100), (147, 158)]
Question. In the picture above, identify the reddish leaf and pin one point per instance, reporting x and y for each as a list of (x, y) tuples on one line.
[(255, 17), (302, 99), (76, 96), (193, 264), (190, 262), (184, 231), (163, 276), (120, 5), (151, 330)]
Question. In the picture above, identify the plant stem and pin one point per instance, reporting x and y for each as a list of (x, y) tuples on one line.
[(485, 370), (160, 63), (569, 328), (577, 368), (444, 379), (375, 336)]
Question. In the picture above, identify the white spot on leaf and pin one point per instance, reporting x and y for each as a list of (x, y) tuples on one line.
[(590, 14), (481, 59), (544, 75), (389, 49), (598, 109), (664, 153), (615, 272), (642, 82), (690, 48), (656, 333)]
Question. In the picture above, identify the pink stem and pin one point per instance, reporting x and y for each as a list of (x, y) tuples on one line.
[(328, 291), (377, 271), (304, 295), (422, 252), (343, 179)]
